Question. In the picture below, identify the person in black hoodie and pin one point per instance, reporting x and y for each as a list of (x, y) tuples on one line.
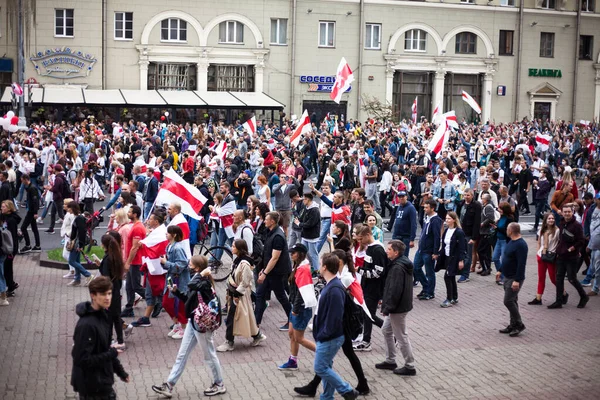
[(310, 224), (11, 218), (397, 302), (5, 189), (201, 284), (33, 205), (94, 361)]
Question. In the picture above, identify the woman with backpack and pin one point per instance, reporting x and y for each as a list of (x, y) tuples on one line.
[(201, 286), (76, 245), (10, 221), (240, 319)]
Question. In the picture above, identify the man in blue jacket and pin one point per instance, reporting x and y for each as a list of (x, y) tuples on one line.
[(405, 226), (429, 247), (150, 192), (328, 330)]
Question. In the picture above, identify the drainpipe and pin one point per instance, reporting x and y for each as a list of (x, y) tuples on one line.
[(104, 11), (293, 77), (518, 83), (576, 69), (361, 39), (21, 61)]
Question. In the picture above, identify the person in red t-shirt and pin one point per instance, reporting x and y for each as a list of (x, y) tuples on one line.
[(188, 168), (133, 262)]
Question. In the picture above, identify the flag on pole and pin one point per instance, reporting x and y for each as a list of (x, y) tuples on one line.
[(181, 222), (440, 138), (471, 101), (543, 141), (414, 110), (220, 148), (303, 126), (450, 118), (336, 131), (225, 214), (153, 248), (304, 281), (437, 112), (250, 126), (343, 78), (175, 189)]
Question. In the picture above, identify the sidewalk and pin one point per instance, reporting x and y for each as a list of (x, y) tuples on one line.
[(459, 352)]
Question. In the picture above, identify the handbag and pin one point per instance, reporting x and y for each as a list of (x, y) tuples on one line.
[(549, 256), (207, 317)]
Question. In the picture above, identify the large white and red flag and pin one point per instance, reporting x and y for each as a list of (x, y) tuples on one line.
[(304, 281), (450, 118), (413, 110), (471, 101), (225, 213), (343, 79), (175, 190), (181, 222), (250, 126), (153, 248), (353, 286), (543, 141), (220, 148), (304, 126), (341, 214), (437, 113), (440, 138)]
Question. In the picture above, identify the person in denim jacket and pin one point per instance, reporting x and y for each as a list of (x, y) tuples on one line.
[(176, 263), (444, 195)]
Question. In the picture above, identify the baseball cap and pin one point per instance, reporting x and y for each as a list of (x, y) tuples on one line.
[(248, 172), (402, 193), (298, 247)]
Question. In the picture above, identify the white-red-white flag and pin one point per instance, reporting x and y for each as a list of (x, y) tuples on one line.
[(142, 164), (543, 141), (225, 213), (250, 126), (437, 112), (450, 118), (355, 289), (181, 222), (175, 190), (303, 126), (304, 281), (153, 248), (341, 214), (343, 79), (413, 110), (440, 138), (471, 101), (336, 130)]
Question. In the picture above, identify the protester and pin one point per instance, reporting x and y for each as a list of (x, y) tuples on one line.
[(76, 245), (10, 221), (427, 254), (452, 256)]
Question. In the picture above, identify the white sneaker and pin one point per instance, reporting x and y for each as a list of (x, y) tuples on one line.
[(178, 335), (172, 332), (261, 338), (39, 220), (70, 275), (138, 298), (4, 302), (227, 346), (88, 280)]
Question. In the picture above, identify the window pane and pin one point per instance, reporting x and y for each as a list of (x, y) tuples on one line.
[(323, 34), (330, 34), (173, 34), (230, 31), (69, 13), (283, 31), (164, 24), (69, 31), (239, 33), (222, 32), (183, 34), (119, 25), (58, 13), (129, 16), (118, 17), (368, 36), (129, 25), (274, 31)]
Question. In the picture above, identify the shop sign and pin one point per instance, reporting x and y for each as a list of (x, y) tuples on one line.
[(319, 83), (316, 87), (548, 73), (63, 63)]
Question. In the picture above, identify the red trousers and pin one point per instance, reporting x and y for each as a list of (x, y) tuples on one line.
[(544, 266), (168, 304)]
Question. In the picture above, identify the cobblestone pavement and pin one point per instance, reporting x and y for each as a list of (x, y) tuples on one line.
[(459, 352)]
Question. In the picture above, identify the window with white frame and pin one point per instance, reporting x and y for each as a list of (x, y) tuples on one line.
[(415, 40), (63, 22), (549, 4), (373, 36), (124, 25), (326, 34), (173, 30), (279, 31), (467, 1), (507, 3), (588, 5), (231, 32), (547, 44)]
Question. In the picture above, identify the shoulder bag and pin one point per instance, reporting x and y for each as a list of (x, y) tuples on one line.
[(207, 317)]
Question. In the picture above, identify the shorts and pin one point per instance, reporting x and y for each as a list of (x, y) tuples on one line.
[(151, 300), (300, 322), (286, 217)]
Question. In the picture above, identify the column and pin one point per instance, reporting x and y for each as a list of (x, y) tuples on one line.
[(486, 104), (553, 108), (597, 93), (438, 91), (143, 74), (202, 75), (259, 77), (389, 86)]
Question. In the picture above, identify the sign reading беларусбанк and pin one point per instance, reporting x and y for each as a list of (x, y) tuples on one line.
[(548, 73), (63, 63)]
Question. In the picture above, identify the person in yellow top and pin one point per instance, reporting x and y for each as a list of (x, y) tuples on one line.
[(175, 158)]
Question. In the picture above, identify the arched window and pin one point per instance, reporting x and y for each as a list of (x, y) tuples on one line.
[(466, 43), (231, 32), (173, 30), (415, 40)]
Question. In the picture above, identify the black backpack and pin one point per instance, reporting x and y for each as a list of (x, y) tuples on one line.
[(354, 318), (258, 248)]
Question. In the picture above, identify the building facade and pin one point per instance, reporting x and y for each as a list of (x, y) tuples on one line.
[(540, 60)]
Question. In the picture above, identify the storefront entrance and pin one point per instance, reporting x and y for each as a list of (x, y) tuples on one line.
[(454, 84), (541, 111), (321, 108)]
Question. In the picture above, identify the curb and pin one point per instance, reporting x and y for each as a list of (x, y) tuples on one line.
[(47, 263)]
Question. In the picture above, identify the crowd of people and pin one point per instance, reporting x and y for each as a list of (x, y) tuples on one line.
[(458, 210)]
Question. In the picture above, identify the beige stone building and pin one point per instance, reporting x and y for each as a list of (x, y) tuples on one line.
[(541, 60)]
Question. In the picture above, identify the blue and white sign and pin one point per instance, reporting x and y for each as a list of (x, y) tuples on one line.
[(316, 87), (63, 63), (320, 83)]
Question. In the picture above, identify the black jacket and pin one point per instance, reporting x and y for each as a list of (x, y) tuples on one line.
[(94, 361), (33, 199), (374, 270), (310, 222), (12, 224), (398, 291), (471, 220), (358, 214), (198, 284), (5, 191), (78, 230), (458, 252)]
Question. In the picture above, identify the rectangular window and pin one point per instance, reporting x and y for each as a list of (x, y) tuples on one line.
[(547, 44), (236, 78), (373, 36), (326, 34), (124, 25), (506, 43), (507, 3), (586, 47), (171, 76), (467, 1), (63, 22), (588, 5), (549, 4), (279, 31), (173, 30), (415, 40), (466, 43), (231, 32)]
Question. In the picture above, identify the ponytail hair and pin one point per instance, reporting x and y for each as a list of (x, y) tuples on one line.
[(346, 258), (113, 256)]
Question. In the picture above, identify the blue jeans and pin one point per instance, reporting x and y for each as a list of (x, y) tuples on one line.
[(595, 269), (313, 254), (325, 226), (222, 240), (324, 355), (469, 259), (498, 252), (427, 279), (191, 337), (2, 278), (74, 261), (147, 207), (540, 208)]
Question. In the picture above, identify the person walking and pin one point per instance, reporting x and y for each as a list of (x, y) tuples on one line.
[(427, 254), (453, 252), (405, 225), (94, 361), (77, 240), (444, 193), (571, 239), (10, 220), (310, 224), (542, 188), (506, 217), (594, 246), (89, 192), (486, 230), (397, 303), (59, 190), (33, 204), (133, 262), (546, 256), (514, 262), (281, 193), (201, 286), (470, 220)]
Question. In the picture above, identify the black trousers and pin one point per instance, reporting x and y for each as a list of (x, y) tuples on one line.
[(568, 268), (108, 396), (371, 301), (133, 285), (523, 202), (114, 314), (383, 201), (272, 283), (484, 251), (9, 274), (451, 287), (88, 205), (354, 363), (57, 208), (30, 220), (231, 307)]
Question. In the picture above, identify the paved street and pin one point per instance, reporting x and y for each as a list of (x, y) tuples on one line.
[(459, 352)]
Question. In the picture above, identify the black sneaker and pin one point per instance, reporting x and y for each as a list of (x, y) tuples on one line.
[(351, 395), (36, 249), (362, 346), (516, 331), (143, 321), (156, 311), (50, 231), (25, 249), (10, 294), (556, 304), (583, 301), (127, 314), (404, 371), (535, 302), (427, 297), (309, 390), (506, 330), (386, 365), (565, 298), (285, 327)]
